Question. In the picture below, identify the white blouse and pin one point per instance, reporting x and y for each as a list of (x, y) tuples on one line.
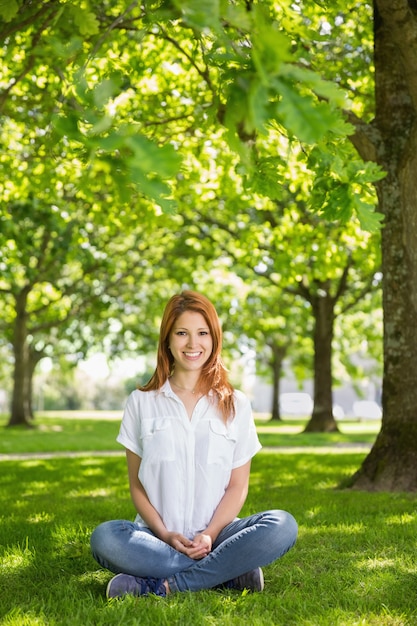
[(186, 464)]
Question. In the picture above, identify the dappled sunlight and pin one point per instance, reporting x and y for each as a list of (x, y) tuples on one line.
[(377, 563), (34, 463), (54, 428), (35, 488), (25, 618), (285, 429), (367, 426), (91, 471), (41, 518), (16, 560), (402, 518), (92, 493)]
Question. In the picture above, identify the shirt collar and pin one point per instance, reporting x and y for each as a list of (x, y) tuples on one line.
[(167, 389)]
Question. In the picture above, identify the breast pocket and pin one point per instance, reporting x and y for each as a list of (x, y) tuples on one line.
[(157, 441), (221, 445)]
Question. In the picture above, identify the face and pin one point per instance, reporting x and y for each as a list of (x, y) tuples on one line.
[(190, 342)]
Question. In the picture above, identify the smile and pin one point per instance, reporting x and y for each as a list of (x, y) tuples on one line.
[(192, 355)]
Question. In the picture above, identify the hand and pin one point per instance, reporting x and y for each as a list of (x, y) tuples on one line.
[(202, 545), (196, 549), (179, 542)]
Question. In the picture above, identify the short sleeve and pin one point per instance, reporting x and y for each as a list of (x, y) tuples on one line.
[(129, 433), (247, 442)]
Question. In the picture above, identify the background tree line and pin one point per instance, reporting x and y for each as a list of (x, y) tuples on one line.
[(149, 145)]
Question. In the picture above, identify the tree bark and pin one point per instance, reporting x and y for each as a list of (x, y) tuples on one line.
[(278, 355), (392, 463), (21, 410), (322, 419)]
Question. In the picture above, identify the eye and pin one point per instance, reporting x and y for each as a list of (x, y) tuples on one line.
[(204, 332), (181, 333)]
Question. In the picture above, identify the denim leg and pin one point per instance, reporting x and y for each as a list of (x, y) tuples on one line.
[(244, 544), (126, 547)]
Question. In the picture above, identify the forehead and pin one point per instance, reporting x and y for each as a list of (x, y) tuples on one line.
[(190, 319)]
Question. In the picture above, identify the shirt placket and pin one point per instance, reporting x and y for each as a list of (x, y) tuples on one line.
[(190, 487)]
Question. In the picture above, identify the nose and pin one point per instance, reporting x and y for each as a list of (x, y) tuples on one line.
[(191, 340)]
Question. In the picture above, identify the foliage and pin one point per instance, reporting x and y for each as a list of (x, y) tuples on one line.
[(122, 124)]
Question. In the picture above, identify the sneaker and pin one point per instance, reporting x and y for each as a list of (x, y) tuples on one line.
[(253, 581), (123, 584)]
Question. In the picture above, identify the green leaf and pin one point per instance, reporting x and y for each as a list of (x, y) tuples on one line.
[(104, 91), (149, 157), (323, 88), (66, 125), (307, 119), (200, 13), (152, 187), (101, 125), (338, 202), (8, 9), (86, 21), (258, 106), (270, 50), (113, 141), (369, 219), (235, 15)]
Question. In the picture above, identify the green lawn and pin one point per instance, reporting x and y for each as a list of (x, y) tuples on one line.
[(354, 563), (82, 432)]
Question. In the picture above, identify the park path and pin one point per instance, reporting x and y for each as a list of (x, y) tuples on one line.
[(339, 448)]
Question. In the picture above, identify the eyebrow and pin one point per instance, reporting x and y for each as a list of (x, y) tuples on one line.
[(184, 328)]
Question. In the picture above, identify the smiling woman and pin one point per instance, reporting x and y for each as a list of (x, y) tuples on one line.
[(191, 346), (189, 439)]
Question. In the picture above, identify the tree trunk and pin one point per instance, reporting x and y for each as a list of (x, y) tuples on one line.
[(34, 357), (20, 409), (322, 419), (392, 463), (278, 354)]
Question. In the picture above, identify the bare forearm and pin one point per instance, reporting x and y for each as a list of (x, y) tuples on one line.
[(227, 510), (148, 513)]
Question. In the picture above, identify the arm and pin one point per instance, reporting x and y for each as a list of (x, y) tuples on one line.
[(229, 506), (148, 512), (139, 498), (231, 503)]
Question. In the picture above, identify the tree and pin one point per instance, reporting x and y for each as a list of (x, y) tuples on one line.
[(381, 48), (331, 265), (391, 140), (223, 75), (64, 276), (274, 321), (85, 133)]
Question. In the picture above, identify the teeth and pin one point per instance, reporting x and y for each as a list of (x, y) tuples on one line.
[(191, 353)]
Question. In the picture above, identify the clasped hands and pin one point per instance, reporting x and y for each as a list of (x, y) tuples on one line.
[(197, 548)]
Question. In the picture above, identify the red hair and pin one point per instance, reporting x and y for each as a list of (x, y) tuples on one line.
[(214, 374)]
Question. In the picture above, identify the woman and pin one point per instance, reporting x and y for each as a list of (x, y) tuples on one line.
[(189, 439)]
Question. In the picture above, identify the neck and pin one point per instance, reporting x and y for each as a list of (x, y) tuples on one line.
[(187, 386)]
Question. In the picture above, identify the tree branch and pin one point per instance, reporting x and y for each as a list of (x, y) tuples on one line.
[(366, 138), (360, 295)]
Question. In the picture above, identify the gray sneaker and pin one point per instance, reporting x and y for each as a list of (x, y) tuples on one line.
[(253, 581), (123, 584)]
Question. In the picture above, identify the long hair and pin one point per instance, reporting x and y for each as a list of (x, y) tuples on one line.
[(214, 374)]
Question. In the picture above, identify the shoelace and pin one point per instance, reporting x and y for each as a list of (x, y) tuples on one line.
[(151, 585)]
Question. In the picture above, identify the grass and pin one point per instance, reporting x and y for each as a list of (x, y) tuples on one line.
[(83, 432), (354, 563)]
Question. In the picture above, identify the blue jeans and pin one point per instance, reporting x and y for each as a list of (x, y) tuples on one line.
[(244, 544)]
